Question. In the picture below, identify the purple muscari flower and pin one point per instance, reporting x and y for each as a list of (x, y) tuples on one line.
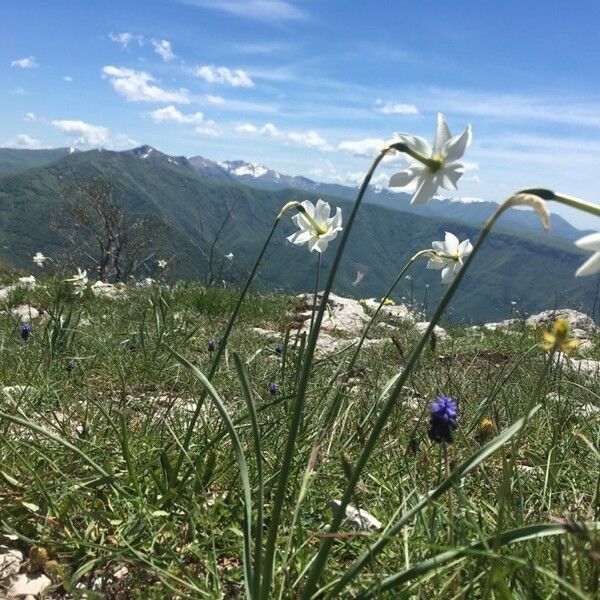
[(279, 348), (25, 331), (442, 419), (273, 389), (212, 345)]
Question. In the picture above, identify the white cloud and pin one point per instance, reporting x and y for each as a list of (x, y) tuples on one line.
[(393, 108), (25, 63), (135, 86), (269, 130), (164, 50), (123, 141), (84, 134), (18, 91), (262, 47), (309, 138), (363, 148), (564, 108), (170, 114), (329, 173), (67, 78), (209, 128), (29, 117), (223, 75), (246, 128), (24, 141), (125, 38), (214, 99), (259, 10)]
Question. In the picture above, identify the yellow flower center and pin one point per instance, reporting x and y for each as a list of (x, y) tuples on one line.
[(435, 163)]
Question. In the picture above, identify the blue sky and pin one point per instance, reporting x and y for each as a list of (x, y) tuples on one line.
[(312, 87)]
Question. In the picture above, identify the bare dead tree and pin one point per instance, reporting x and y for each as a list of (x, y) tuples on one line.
[(218, 265), (101, 234)]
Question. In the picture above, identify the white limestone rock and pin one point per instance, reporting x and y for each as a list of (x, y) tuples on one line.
[(25, 313), (359, 518), (440, 332)]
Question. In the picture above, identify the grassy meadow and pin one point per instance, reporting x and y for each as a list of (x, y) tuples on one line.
[(94, 413)]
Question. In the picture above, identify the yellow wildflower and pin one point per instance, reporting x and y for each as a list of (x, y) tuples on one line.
[(558, 338), (485, 428), (388, 302)]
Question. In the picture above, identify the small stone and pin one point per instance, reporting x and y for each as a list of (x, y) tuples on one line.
[(11, 561), (120, 573), (25, 313), (588, 411), (440, 332), (359, 517), (27, 584)]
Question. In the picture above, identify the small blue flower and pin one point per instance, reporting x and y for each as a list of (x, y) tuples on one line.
[(212, 345), (279, 348), (25, 331), (273, 389), (442, 419)]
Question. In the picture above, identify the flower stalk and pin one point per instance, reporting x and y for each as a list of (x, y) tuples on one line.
[(220, 349), (299, 401), (316, 570)]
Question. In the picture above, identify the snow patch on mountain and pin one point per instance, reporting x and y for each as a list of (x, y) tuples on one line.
[(241, 168), (460, 199)]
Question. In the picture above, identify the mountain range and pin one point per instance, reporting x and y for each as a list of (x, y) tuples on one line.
[(191, 198)]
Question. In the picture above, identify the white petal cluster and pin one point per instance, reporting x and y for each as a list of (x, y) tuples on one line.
[(448, 256), (162, 263), (591, 265), (27, 282), (39, 259), (79, 281), (445, 168), (316, 227)]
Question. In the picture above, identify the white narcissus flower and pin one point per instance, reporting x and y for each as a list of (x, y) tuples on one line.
[(162, 263), (229, 256), (79, 282), (448, 256), (316, 226), (39, 259), (27, 282), (591, 265), (439, 167)]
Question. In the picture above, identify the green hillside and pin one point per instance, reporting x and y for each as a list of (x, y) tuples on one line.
[(535, 271), (16, 160)]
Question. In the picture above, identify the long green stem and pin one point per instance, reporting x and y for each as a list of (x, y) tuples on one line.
[(279, 497), (321, 558), (316, 292), (332, 410), (221, 350)]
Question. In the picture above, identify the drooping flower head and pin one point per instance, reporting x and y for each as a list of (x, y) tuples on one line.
[(25, 331), (273, 389), (591, 243), (433, 166), (559, 337), (212, 345), (448, 256), (316, 226), (442, 419), (279, 348)]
